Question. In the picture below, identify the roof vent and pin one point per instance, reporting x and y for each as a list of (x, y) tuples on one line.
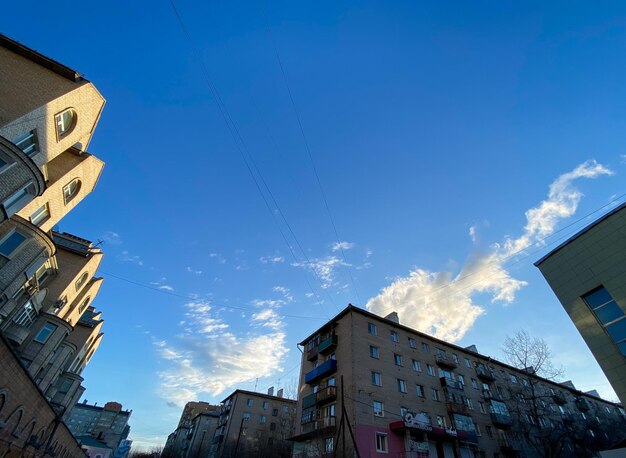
[(393, 316)]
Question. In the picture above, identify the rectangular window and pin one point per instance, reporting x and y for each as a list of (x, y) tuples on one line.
[(403, 411), (266, 405), (477, 428), (246, 415), (474, 384), (441, 421), (381, 442), (374, 353), (262, 419), (412, 343), (378, 409), (376, 378), (274, 412), (434, 393), (455, 358), (401, 386), (250, 402), (419, 390), (371, 328), (513, 378), (425, 347), (27, 142), (394, 336), (27, 316), (397, 359), (461, 380), (417, 366), (430, 370), (10, 243), (45, 332), (469, 404), (329, 445), (468, 363), (40, 215), (609, 315), (481, 406)]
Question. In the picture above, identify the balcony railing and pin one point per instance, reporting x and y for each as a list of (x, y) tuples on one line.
[(444, 361), (502, 420), (456, 405), (327, 344), (311, 353), (326, 394), (309, 401), (449, 383), (320, 425), (320, 371), (485, 373)]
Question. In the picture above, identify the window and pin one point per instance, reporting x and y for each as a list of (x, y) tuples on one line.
[(10, 243), (81, 281), (45, 332), (412, 343), (403, 411), (274, 412), (419, 390), (381, 442), (513, 378), (609, 315), (65, 122), (477, 428), (461, 380), (27, 316), (434, 393), (481, 406), (71, 189), (441, 421), (40, 215), (374, 353), (468, 363), (376, 378), (425, 347), (474, 384), (397, 359), (455, 358), (371, 328), (394, 336), (489, 431), (250, 402), (430, 369), (285, 408), (469, 404), (266, 405), (27, 142), (272, 426), (329, 445), (246, 415), (84, 305), (262, 419), (378, 409), (417, 366), (401, 386)]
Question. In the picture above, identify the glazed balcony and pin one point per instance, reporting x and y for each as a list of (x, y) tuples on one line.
[(501, 420), (309, 401), (311, 353), (559, 399), (443, 361), (485, 373), (582, 405), (320, 371), (447, 382), (456, 404), (327, 345), (327, 394)]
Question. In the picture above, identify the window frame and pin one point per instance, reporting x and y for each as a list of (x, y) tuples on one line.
[(374, 352), (5, 239), (379, 408), (70, 194), (371, 329), (32, 146), (61, 130), (376, 378), (382, 443), (45, 332), (41, 215), (402, 388)]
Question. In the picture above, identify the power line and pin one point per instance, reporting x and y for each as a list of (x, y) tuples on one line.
[(308, 149), (192, 298)]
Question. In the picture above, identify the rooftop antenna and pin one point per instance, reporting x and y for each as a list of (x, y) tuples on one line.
[(256, 383), (100, 242)]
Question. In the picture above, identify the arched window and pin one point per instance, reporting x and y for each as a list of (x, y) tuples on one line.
[(81, 281), (84, 305), (65, 122), (71, 189)]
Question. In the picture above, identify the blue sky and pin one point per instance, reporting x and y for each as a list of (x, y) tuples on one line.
[(455, 143)]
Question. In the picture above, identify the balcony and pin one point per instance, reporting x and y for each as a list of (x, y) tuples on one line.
[(327, 394), (456, 404), (443, 361), (17, 333), (327, 344), (447, 382), (582, 404), (559, 399), (320, 371), (568, 419), (501, 420), (485, 373), (508, 447), (322, 425), (488, 394), (311, 353), (309, 401)]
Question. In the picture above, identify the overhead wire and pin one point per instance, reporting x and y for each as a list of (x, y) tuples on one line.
[(310, 155)]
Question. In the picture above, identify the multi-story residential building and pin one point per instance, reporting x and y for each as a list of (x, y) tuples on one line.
[(194, 432), (588, 275), (254, 425), (108, 424), (48, 115), (370, 384)]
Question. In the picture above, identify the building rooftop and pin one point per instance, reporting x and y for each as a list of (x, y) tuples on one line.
[(261, 395), (92, 442), (581, 232)]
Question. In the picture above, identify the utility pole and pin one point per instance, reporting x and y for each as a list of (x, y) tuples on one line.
[(239, 435), (344, 418)]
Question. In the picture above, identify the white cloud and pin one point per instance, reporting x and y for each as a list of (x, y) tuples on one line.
[(441, 303), (286, 292), (162, 285), (472, 233), (274, 259), (208, 358), (218, 257), (338, 246), (623, 158), (112, 237), (194, 271), (323, 268), (127, 257)]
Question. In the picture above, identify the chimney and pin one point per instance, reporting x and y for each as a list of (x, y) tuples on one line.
[(84, 401), (393, 316), (280, 393), (270, 391)]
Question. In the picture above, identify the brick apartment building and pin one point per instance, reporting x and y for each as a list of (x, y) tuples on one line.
[(194, 433), (407, 394), (254, 425), (48, 279)]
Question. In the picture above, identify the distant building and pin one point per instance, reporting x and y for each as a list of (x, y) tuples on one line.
[(95, 448), (48, 115), (193, 435), (108, 424), (254, 425), (588, 275), (408, 394)]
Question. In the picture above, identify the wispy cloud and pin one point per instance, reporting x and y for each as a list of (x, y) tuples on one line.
[(338, 246), (162, 285), (112, 238), (125, 256), (218, 257), (273, 259), (323, 268), (209, 358), (623, 158), (441, 303), (194, 271)]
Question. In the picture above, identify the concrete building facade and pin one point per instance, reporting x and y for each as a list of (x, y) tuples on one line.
[(588, 275), (192, 437), (254, 425), (408, 394), (107, 424)]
